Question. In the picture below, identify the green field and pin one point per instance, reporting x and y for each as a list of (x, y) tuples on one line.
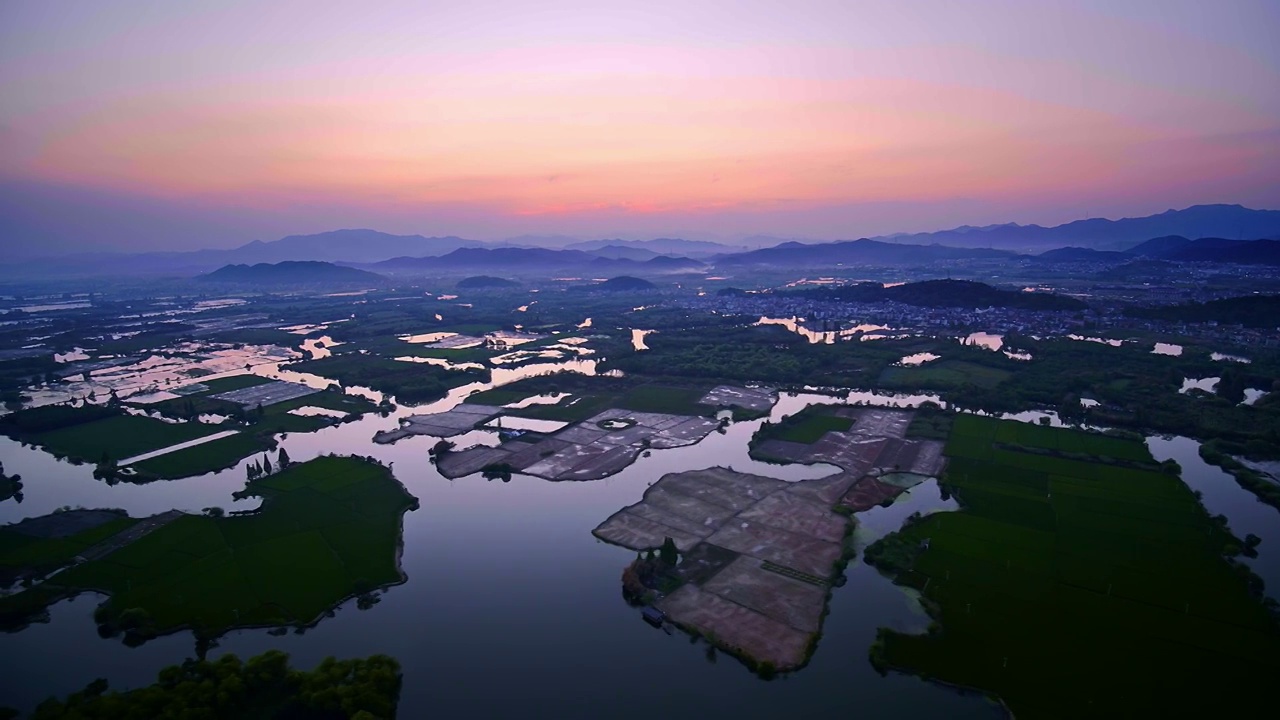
[(24, 552), (1076, 587), (807, 426), (204, 458), (233, 382), (328, 529), (811, 428), (943, 374), (589, 396), (119, 437)]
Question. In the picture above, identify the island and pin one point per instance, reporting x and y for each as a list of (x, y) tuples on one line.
[(748, 561), (328, 529)]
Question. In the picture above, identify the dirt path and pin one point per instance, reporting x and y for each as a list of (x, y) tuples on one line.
[(124, 537)]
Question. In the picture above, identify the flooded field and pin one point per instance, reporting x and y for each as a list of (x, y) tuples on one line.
[(575, 623)]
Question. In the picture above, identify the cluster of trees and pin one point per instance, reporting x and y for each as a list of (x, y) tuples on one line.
[(945, 293), (263, 467), (1253, 311), (10, 486), (264, 686), (52, 417)]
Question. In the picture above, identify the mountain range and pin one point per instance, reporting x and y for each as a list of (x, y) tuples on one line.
[(415, 253), (1175, 248), (1229, 221), (534, 260)]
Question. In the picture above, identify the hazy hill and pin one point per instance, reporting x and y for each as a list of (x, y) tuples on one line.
[(623, 252), (1211, 249), (1231, 221), (513, 260), (1078, 254), (292, 273), (659, 246), (945, 293), (854, 252), (348, 246), (622, 283), (477, 282)]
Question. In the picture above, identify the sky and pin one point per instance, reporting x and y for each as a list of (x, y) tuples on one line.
[(155, 125)]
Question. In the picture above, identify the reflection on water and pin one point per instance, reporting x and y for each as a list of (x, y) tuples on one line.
[(637, 339), (1167, 349), (800, 326), (989, 341), (1208, 385), (1222, 495), (319, 347), (918, 358), (1104, 341), (1223, 357)]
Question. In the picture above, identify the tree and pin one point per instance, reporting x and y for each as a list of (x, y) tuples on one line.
[(668, 552), (266, 464), (283, 461)]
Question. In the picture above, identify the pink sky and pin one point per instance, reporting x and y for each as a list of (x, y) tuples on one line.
[(163, 125)]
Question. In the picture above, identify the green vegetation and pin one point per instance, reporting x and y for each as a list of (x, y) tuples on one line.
[(408, 382), (233, 382), (328, 529), (1254, 311), (930, 422), (105, 434), (485, 281), (262, 687), (23, 555), (588, 396), (10, 486), (945, 293), (943, 374), (91, 433), (204, 458), (1219, 452), (1076, 581), (807, 426)]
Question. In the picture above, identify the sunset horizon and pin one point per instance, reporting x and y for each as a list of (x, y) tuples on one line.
[(172, 128)]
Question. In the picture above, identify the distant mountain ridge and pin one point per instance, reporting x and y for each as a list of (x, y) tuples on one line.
[(533, 260), (290, 272), (365, 247), (854, 252), (1231, 221), (660, 246)]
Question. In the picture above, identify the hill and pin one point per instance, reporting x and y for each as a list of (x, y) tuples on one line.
[(1211, 249), (291, 273), (1254, 311), (1078, 254), (526, 261), (945, 293), (658, 246), (476, 282), (622, 283), (853, 252), (1099, 233)]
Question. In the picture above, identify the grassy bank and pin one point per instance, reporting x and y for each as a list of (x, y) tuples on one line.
[(1073, 585)]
